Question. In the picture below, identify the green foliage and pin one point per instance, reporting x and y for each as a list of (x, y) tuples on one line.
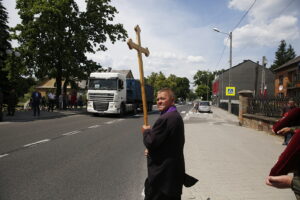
[(179, 85), (4, 46), (283, 55), (55, 36), (192, 96), (203, 81), (201, 91)]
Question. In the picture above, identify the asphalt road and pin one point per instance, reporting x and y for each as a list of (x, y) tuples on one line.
[(75, 157)]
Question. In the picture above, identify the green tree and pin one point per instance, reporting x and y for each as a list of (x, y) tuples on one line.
[(201, 91), (201, 79), (55, 36), (290, 53), (192, 95), (157, 81), (179, 85), (182, 87), (283, 55), (4, 47)]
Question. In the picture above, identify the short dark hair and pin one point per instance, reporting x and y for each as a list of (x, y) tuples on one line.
[(169, 91)]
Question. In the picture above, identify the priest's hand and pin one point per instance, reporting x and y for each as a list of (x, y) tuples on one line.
[(145, 127), (146, 152), (285, 130), (280, 182)]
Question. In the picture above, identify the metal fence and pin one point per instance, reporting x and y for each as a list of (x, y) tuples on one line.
[(269, 106), (234, 107)]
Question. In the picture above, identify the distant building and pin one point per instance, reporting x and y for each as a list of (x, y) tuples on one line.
[(287, 79), (50, 85), (247, 75), (127, 73)]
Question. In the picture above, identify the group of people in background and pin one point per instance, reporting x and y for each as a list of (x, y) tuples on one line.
[(49, 102), (38, 102)]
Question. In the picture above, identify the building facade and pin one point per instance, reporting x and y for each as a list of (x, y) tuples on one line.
[(247, 75), (287, 79)]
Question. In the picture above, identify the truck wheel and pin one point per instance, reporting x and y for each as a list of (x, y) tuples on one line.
[(122, 110), (134, 110)]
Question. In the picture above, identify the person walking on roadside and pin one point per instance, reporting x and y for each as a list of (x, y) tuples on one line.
[(74, 100), (36, 99), (165, 159), (51, 101), (290, 106), (12, 101), (60, 101)]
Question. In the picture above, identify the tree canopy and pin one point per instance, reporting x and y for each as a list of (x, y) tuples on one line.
[(54, 37), (283, 55), (180, 85), (203, 82), (4, 47)]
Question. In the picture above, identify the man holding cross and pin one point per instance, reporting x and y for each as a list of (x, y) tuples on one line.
[(164, 141), (165, 159)]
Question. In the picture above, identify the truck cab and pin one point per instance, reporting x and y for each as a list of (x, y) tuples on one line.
[(106, 93)]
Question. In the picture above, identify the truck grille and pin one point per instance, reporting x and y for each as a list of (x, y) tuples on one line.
[(100, 106), (101, 98)]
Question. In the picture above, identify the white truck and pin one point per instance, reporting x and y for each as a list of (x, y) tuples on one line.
[(112, 93)]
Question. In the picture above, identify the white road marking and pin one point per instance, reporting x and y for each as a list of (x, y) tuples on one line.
[(183, 112), (95, 126), (110, 122), (71, 133), (35, 143), (3, 123), (113, 121), (3, 155)]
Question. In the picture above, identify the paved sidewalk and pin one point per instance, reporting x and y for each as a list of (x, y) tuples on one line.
[(27, 115), (230, 161)]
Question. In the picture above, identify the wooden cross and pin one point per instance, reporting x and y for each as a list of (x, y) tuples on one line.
[(140, 50)]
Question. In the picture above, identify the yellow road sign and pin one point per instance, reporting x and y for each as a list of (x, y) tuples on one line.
[(230, 91)]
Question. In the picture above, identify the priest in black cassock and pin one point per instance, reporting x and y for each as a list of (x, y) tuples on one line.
[(165, 159)]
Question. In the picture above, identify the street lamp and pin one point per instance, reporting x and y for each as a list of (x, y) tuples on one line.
[(230, 63)]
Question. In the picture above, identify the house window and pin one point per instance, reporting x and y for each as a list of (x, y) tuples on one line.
[(280, 80)]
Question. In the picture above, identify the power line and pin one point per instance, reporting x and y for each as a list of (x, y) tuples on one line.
[(288, 5), (245, 15), (222, 54)]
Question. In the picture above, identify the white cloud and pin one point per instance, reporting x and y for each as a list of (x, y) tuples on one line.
[(269, 22), (195, 59), (267, 34)]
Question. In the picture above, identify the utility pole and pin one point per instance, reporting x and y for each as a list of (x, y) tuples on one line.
[(207, 85), (230, 66), (263, 75)]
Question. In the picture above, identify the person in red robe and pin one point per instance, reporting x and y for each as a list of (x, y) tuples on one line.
[(289, 160)]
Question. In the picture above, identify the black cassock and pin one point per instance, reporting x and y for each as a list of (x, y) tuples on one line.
[(165, 161)]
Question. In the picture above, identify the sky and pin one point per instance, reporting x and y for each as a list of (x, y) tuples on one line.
[(179, 33)]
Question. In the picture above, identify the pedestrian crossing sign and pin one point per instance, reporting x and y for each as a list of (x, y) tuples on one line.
[(230, 91)]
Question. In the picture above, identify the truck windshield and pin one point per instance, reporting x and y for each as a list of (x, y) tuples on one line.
[(103, 84)]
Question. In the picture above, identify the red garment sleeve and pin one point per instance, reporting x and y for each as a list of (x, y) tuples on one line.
[(292, 116), (290, 157)]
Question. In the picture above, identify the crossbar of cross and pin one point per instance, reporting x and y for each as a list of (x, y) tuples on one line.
[(138, 47)]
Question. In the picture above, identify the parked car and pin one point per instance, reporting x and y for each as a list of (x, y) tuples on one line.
[(204, 106)]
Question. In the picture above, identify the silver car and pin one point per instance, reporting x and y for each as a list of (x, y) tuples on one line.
[(204, 106)]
